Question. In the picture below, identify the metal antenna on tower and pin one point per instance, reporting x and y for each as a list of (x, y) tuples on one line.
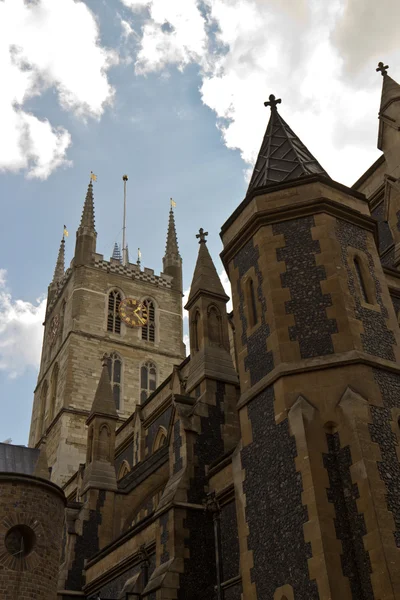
[(124, 261)]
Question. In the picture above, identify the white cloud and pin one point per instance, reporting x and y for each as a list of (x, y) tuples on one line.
[(315, 55), (21, 331), (47, 45)]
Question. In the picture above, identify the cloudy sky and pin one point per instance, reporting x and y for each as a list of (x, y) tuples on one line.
[(170, 92)]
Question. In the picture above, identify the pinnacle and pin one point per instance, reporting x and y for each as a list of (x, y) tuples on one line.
[(103, 402), (205, 277), (172, 241), (283, 156), (87, 219), (60, 264)]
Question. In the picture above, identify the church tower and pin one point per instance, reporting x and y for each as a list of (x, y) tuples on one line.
[(83, 324), (318, 345)]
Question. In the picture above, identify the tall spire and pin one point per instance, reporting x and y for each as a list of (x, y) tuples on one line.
[(87, 219), (103, 403), (390, 94), (205, 278), (282, 156), (172, 261), (60, 264)]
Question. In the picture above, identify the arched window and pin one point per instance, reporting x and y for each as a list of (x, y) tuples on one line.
[(160, 439), (42, 409), (252, 302), (148, 380), (149, 330), (113, 319), (196, 331), (360, 279), (123, 470), (53, 392), (114, 364), (214, 326)]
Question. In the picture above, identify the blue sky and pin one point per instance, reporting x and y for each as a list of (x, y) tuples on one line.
[(171, 93)]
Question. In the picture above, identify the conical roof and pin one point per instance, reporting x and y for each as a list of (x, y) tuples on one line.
[(87, 219), (172, 240), (283, 156), (117, 253), (103, 402), (60, 264), (205, 277), (390, 88)]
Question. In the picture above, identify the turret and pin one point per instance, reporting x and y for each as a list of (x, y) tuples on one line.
[(86, 235), (172, 261), (209, 338)]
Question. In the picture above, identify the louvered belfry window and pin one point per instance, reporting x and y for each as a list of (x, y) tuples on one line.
[(149, 330), (113, 319)]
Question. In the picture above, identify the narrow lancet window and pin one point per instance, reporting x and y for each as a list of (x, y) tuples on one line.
[(360, 278), (148, 380), (113, 319)]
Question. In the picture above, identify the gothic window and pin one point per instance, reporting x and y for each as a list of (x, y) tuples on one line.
[(252, 302), (149, 330), (42, 409), (214, 326), (104, 443), (114, 364), (360, 279), (113, 318), (196, 331), (53, 392), (160, 439), (148, 380)]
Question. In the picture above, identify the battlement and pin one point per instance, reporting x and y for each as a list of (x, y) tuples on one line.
[(133, 271)]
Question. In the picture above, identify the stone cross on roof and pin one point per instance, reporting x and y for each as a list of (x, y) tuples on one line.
[(202, 236), (382, 68), (272, 102)]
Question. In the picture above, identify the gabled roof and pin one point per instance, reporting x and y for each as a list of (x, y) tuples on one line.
[(283, 156)]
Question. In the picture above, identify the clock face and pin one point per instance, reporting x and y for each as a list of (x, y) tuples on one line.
[(133, 312), (55, 322)]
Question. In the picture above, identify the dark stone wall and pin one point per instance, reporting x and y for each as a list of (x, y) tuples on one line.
[(163, 521), (274, 510), (86, 545), (259, 362), (163, 421), (126, 454), (312, 329), (396, 305), (377, 339), (229, 542), (384, 234), (199, 578), (113, 588), (177, 445), (349, 524), (233, 592), (382, 434)]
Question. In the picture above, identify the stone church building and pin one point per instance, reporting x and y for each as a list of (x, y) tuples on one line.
[(265, 465)]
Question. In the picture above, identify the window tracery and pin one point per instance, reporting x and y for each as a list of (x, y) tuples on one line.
[(149, 330)]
